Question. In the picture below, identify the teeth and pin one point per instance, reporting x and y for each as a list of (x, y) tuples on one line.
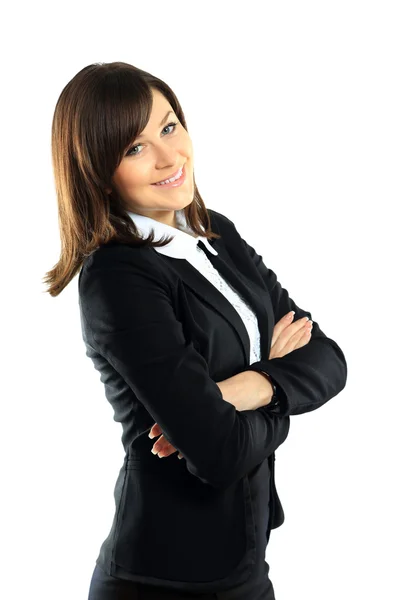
[(172, 178)]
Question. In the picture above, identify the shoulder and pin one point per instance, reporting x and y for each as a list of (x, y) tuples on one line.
[(117, 253), (220, 222), (112, 263), (225, 227), (218, 217)]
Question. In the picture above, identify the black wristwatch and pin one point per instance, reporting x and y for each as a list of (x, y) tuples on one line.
[(274, 400)]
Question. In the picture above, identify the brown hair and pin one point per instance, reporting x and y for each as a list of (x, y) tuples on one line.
[(97, 116)]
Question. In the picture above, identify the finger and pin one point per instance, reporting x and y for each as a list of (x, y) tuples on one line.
[(162, 445), (299, 339), (159, 444), (293, 337), (167, 451), (281, 325), (155, 430), (306, 337), (289, 331)]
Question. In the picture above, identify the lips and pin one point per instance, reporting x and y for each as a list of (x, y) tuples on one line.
[(169, 176)]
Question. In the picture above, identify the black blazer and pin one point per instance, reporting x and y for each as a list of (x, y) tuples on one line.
[(161, 335)]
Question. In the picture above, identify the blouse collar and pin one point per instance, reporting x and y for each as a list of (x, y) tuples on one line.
[(184, 242)]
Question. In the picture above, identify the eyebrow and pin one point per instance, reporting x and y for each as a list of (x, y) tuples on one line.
[(162, 123)]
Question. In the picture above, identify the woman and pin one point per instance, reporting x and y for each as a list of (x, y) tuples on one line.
[(185, 324)]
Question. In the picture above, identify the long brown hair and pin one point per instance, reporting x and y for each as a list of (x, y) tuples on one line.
[(97, 116)]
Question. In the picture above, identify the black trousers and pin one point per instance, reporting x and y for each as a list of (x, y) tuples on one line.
[(106, 587)]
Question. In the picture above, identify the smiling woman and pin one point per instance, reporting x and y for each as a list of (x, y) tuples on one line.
[(117, 132), (173, 304)]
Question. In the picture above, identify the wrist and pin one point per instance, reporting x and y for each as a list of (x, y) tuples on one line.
[(255, 390), (268, 392), (278, 404), (274, 400)]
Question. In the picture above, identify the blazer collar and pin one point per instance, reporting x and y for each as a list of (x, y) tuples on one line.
[(181, 255)]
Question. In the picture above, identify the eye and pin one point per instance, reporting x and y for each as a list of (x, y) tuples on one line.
[(130, 151)]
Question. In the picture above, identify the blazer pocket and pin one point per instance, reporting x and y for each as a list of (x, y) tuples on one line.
[(171, 526)]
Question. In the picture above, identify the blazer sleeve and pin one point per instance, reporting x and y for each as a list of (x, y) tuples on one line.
[(307, 377), (129, 319)]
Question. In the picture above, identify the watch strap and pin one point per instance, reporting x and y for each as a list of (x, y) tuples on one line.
[(275, 399)]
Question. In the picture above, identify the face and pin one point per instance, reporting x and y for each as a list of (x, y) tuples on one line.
[(156, 154)]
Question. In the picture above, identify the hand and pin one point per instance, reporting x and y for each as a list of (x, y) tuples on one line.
[(288, 336), (250, 390), (162, 446)]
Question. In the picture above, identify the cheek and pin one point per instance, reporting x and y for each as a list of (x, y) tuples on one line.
[(129, 179), (188, 145)]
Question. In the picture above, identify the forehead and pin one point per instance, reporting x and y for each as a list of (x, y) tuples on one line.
[(160, 104), (160, 113)]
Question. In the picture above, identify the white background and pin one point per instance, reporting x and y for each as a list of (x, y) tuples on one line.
[(293, 109)]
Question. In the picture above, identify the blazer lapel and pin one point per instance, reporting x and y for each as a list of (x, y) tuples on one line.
[(254, 295)]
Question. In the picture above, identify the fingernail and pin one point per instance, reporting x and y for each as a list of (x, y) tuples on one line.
[(151, 435), (154, 451), (290, 315), (180, 457)]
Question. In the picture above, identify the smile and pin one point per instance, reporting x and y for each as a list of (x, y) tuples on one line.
[(175, 181)]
